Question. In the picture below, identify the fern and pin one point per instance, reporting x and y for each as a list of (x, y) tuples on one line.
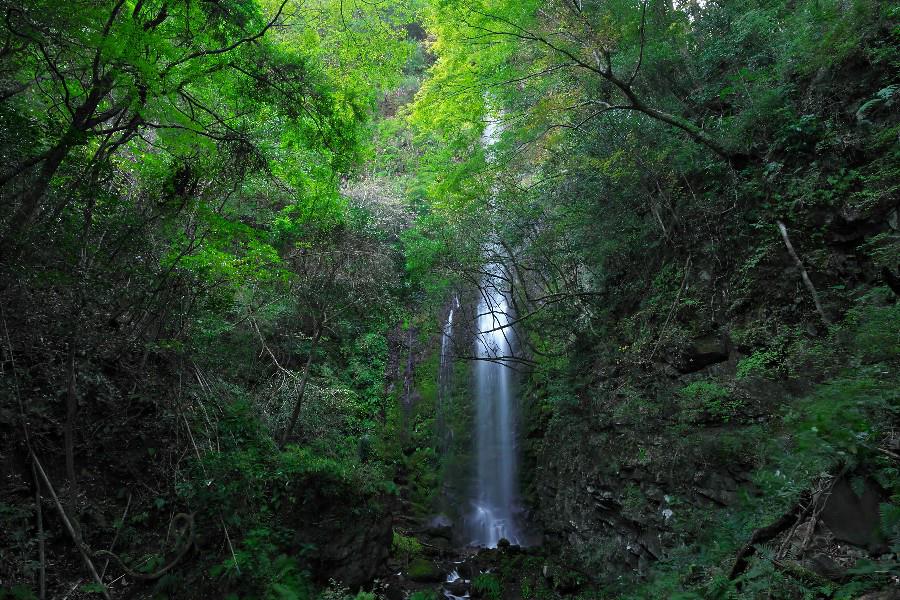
[(890, 524), (488, 585)]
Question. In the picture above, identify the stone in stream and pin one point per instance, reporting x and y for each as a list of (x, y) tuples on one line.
[(458, 588)]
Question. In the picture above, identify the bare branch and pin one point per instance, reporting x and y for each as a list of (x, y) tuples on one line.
[(641, 51)]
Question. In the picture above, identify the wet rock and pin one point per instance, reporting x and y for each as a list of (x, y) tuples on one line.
[(460, 587)]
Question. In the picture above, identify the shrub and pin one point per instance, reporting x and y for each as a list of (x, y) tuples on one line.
[(405, 547), (711, 398), (761, 362), (487, 585)]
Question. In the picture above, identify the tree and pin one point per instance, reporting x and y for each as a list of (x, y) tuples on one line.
[(110, 72), (560, 64)]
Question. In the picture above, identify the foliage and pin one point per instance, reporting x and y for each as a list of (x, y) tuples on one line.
[(488, 585), (335, 591), (645, 153), (711, 398), (226, 227), (172, 195), (406, 547), (17, 592)]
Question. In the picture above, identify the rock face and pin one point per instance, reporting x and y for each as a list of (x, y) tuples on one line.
[(582, 503), (610, 490), (614, 491), (354, 555)]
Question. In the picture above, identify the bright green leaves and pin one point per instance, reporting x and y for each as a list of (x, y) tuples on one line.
[(227, 252), (316, 213), (360, 44), (423, 253)]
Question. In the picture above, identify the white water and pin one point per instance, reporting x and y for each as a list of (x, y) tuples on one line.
[(451, 578), (445, 382), (495, 498), (495, 494)]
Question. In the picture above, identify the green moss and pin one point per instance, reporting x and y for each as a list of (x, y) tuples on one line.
[(422, 569)]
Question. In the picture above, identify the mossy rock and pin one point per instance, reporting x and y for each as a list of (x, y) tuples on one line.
[(424, 571)]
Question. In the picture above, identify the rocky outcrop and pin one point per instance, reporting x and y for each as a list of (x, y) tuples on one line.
[(701, 353), (611, 489), (614, 494)]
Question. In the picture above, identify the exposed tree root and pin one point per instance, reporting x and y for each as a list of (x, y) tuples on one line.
[(765, 534), (188, 533)]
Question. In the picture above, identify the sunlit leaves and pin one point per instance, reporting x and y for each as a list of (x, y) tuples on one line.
[(227, 252)]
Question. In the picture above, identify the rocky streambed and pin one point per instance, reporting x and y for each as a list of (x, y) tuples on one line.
[(446, 570)]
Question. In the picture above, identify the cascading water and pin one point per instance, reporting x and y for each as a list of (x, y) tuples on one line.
[(495, 499), (445, 381), (495, 495)]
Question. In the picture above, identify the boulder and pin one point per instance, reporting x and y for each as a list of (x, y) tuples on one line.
[(702, 352), (824, 565), (855, 519), (423, 571), (460, 587)]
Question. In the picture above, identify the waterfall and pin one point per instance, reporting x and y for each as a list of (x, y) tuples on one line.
[(495, 497), (445, 382)]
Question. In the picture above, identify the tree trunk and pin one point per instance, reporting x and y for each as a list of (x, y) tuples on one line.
[(82, 121), (804, 276), (30, 200), (299, 404), (71, 416)]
